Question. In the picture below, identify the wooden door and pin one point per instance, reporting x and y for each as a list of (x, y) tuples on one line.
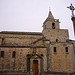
[(35, 67)]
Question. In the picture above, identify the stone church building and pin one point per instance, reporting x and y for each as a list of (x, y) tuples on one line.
[(37, 52)]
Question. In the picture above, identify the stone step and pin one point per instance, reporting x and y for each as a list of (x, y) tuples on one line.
[(13, 73)]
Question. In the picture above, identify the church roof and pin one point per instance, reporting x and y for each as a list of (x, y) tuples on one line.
[(22, 33), (50, 18), (50, 15)]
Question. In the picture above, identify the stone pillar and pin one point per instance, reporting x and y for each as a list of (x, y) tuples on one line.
[(73, 20)]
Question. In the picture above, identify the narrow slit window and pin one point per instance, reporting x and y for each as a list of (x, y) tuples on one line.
[(54, 49), (2, 42), (14, 54), (66, 49), (2, 53), (45, 26)]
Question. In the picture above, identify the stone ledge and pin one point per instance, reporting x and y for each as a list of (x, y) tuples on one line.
[(24, 46), (58, 73), (13, 73)]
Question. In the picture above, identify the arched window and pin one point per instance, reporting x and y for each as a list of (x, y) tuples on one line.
[(53, 25)]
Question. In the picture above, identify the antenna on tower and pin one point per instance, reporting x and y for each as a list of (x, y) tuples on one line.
[(49, 8)]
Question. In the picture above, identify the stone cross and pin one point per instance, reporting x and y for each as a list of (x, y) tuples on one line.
[(71, 7)]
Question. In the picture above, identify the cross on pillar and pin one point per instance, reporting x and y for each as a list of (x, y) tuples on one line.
[(71, 7)]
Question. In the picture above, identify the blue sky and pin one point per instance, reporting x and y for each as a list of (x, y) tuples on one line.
[(29, 15)]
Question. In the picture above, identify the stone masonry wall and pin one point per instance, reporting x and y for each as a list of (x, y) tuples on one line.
[(48, 24), (52, 35), (17, 39), (19, 63), (61, 61)]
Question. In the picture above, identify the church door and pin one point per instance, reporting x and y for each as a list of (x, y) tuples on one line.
[(35, 67)]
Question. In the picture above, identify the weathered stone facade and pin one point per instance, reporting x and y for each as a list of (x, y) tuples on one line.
[(38, 52)]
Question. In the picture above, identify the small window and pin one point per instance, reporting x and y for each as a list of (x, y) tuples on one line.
[(45, 26), (54, 49), (2, 41), (2, 53), (56, 40), (14, 53), (53, 25), (66, 49)]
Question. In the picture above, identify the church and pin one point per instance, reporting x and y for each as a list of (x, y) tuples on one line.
[(35, 53)]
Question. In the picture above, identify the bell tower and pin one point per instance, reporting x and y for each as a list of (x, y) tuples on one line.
[(52, 31), (50, 22)]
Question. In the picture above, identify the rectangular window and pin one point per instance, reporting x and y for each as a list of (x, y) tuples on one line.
[(14, 53), (2, 53), (54, 49), (66, 49)]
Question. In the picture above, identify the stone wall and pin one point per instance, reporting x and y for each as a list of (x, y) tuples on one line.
[(18, 39), (19, 63), (48, 24), (59, 34), (8, 63), (61, 61)]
